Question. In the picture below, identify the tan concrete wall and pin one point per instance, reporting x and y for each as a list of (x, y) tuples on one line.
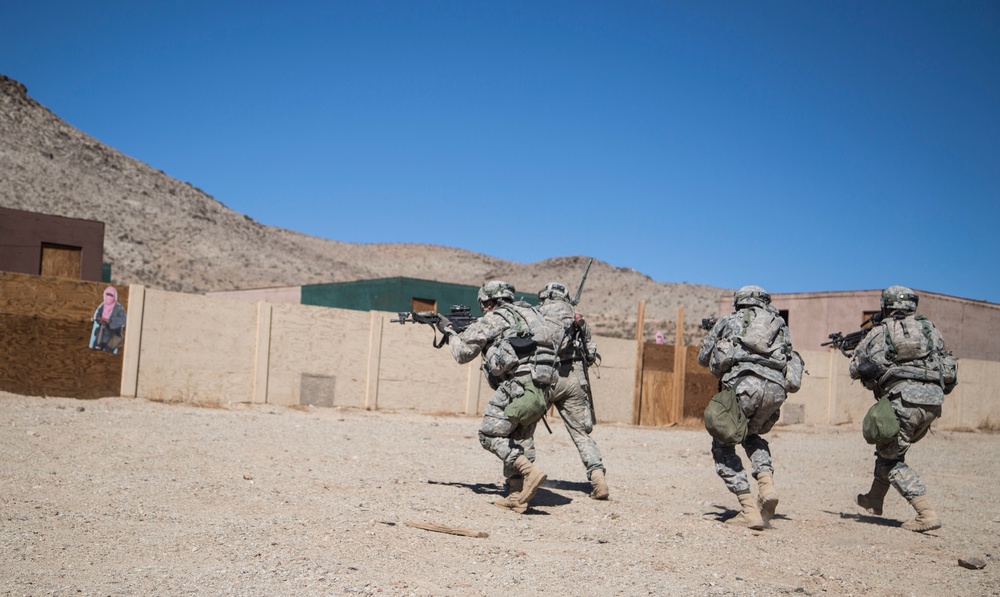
[(327, 345), (200, 349), (196, 349), (614, 381), (975, 401), (283, 294), (412, 374), (828, 394)]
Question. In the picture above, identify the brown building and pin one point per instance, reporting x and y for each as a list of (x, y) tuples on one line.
[(40, 244), (971, 329)]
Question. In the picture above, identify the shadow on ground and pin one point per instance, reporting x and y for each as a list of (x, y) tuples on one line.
[(863, 518)]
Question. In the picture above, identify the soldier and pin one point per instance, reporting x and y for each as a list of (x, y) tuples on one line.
[(518, 351), (903, 357), (749, 351), (572, 396)]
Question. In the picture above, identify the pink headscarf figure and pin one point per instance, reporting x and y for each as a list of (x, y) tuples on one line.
[(110, 298), (109, 319), (659, 337)]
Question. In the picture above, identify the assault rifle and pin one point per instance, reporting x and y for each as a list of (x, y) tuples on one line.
[(708, 323), (581, 347), (460, 317), (579, 290), (846, 343)]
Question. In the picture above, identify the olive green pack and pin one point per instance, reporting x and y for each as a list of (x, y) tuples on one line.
[(880, 424), (529, 408), (724, 419)]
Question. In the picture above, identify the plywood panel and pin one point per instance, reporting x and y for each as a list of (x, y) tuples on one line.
[(657, 385), (61, 262), (45, 326), (699, 385)]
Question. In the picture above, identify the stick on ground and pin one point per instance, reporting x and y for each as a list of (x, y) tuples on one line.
[(440, 528)]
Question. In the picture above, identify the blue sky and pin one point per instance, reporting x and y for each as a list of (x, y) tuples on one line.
[(801, 146)]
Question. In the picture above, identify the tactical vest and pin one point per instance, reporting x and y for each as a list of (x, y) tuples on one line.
[(533, 339), (760, 338), (753, 340), (915, 351)]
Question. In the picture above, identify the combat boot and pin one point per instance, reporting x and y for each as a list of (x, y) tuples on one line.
[(767, 499), (601, 491), (872, 501), (750, 515), (926, 520), (510, 502), (533, 479)]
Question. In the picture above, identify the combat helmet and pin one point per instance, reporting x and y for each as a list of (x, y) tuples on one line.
[(495, 290), (751, 296), (553, 290), (899, 298)]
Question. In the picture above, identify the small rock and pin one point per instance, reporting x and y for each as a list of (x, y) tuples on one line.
[(971, 563), (80, 409)]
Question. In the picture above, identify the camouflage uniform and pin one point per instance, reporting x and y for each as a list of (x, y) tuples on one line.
[(572, 391), (917, 403), (497, 433), (760, 390)]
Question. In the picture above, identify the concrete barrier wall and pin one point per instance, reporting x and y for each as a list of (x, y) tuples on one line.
[(413, 374), (828, 396), (975, 402), (613, 383), (199, 349), (195, 349), (317, 356)]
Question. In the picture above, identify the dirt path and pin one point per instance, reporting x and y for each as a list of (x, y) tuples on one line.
[(129, 497)]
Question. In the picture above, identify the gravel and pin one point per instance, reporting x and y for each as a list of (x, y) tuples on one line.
[(131, 497)]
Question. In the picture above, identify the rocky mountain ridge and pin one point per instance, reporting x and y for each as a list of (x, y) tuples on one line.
[(169, 234)]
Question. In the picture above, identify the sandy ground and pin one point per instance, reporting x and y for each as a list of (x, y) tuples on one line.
[(130, 497)]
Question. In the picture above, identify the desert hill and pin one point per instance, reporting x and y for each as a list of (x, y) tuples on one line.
[(169, 234)]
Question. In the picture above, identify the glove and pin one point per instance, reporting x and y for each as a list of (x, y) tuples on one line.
[(443, 324), (593, 357)]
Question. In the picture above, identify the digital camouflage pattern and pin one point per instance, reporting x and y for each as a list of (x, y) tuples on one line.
[(571, 395), (881, 360), (729, 466), (757, 376), (724, 354), (497, 433), (761, 401), (890, 458), (904, 358)]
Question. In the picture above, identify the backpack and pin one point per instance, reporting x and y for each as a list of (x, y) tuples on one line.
[(534, 339), (915, 350), (760, 330), (948, 367), (724, 419), (908, 338), (793, 372), (759, 339)]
